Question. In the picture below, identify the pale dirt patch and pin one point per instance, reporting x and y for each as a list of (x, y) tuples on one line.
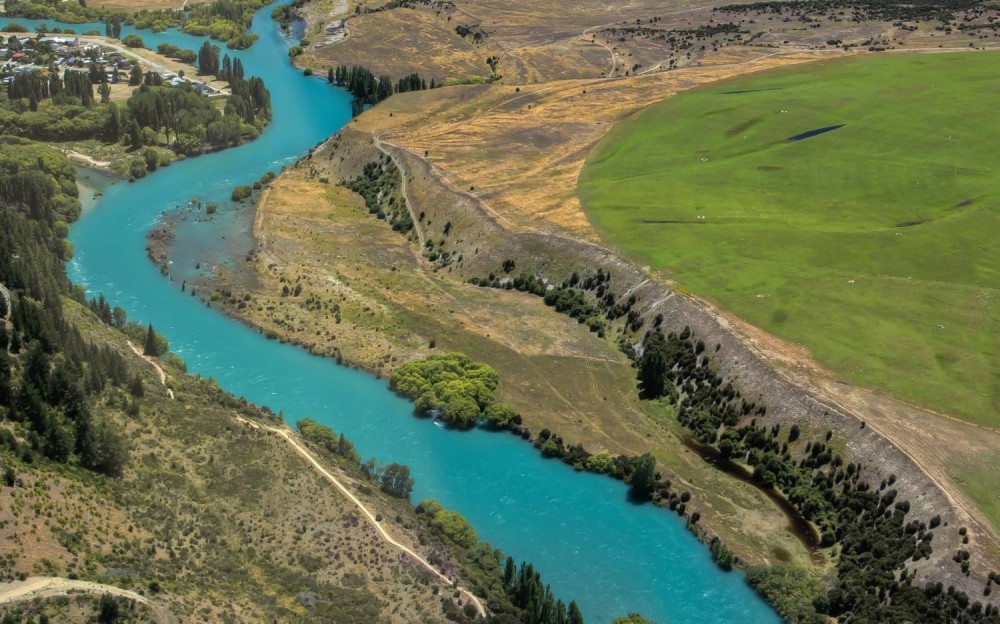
[(139, 5), (402, 42)]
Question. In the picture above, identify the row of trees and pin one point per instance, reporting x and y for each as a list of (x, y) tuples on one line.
[(877, 539), (377, 185), (369, 90), (74, 87), (526, 591)]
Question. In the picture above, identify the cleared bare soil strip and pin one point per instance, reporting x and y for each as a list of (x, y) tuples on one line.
[(40, 587)]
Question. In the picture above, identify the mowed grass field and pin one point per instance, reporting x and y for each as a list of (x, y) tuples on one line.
[(875, 244)]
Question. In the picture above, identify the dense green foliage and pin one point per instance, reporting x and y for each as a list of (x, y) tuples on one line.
[(792, 591), (378, 184), (451, 387), (174, 52), (241, 193), (159, 109), (368, 90), (133, 41), (631, 618), (876, 255), (877, 541), (449, 523), (45, 106), (325, 438), (223, 20), (526, 591), (49, 375)]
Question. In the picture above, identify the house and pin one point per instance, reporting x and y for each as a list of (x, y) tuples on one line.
[(65, 41)]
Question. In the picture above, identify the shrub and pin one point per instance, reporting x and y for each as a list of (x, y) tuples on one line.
[(133, 41), (241, 193)]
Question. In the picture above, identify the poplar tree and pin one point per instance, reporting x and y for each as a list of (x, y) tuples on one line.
[(150, 347)]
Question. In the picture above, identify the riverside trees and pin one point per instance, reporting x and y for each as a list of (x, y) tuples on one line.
[(526, 591), (876, 538), (50, 107), (452, 387), (50, 376), (369, 90)]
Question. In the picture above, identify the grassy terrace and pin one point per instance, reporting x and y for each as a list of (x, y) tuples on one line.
[(870, 243)]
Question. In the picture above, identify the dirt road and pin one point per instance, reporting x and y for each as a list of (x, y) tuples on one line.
[(38, 587), (152, 362), (308, 456)]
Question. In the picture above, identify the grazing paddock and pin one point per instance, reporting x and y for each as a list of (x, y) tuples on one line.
[(850, 206)]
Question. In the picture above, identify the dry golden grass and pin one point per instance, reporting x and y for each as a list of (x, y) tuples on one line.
[(522, 148), (139, 5), (553, 370), (401, 42)]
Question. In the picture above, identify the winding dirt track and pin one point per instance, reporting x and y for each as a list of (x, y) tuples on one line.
[(289, 437), (152, 362), (308, 456), (38, 587)]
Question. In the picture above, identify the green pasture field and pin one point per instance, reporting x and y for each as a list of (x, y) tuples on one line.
[(875, 244)]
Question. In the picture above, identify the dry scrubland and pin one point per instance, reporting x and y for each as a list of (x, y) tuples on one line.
[(392, 305), (558, 40), (500, 164), (210, 509), (490, 174)]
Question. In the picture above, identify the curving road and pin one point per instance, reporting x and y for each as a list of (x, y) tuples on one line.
[(38, 587), (289, 437)]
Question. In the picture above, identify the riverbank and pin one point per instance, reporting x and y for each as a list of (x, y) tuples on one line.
[(91, 184), (457, 225), (465, 152), (82, 128), (369, 299), (192, 464), (516, 511)]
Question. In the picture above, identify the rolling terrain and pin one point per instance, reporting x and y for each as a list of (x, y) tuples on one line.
[(868, 242), (488, 173)]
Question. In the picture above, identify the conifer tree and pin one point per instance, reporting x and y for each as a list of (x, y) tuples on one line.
[(150, 347)]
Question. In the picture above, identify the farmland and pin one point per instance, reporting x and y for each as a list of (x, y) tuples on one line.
[(868, 243)]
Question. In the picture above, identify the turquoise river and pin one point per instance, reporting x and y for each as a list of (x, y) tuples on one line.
[(579, 530)]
